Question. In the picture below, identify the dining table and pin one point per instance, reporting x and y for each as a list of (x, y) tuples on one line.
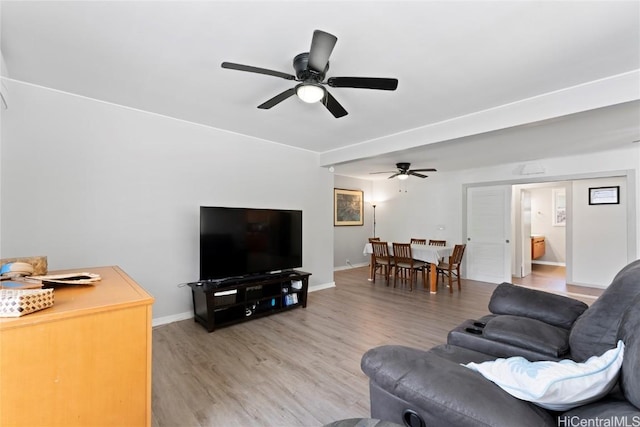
[(426, 253)]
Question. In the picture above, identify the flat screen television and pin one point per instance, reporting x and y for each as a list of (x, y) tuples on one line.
[(244, 241)]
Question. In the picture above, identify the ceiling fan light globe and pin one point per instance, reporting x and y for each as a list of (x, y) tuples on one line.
[(403, 177), (310, 93)]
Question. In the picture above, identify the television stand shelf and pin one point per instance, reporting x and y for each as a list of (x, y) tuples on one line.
[(246, 298)]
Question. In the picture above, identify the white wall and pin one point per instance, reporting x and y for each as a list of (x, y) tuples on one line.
[(425, 208), (89, 184), (435, 203), (349, 240), (603, 232)]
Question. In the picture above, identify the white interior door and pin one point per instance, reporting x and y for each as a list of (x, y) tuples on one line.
[(488, 253)]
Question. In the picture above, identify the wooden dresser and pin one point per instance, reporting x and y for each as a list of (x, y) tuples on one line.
[(86, 361), (537, 247)]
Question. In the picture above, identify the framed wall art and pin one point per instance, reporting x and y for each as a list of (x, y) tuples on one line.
[(348, 207), (559, 207), (604, 195)]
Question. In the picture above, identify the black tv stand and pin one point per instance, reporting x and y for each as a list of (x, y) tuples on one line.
[(243, 298)]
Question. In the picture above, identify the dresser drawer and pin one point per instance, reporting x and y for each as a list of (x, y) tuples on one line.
[(537, 247)]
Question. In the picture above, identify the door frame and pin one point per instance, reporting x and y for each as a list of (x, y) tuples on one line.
[(521, 226), (632, 220)]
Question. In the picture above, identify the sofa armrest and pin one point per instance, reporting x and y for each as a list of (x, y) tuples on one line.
[(443, 392), (553, 309)]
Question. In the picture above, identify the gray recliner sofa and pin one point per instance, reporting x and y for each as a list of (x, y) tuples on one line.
[(431, 387)]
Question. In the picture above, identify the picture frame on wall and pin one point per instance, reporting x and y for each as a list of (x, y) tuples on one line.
[(348, 207), (604, 195), (559, 207)]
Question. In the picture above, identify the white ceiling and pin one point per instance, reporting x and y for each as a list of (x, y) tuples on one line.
[(480, 82)]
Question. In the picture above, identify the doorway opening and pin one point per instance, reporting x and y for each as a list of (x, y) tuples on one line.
[(539, 213), (560, 236)]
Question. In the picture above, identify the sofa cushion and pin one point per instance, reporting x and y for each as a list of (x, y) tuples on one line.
[(558, 386), (528, 333), (439, 389), (596, 330), (553, 309)]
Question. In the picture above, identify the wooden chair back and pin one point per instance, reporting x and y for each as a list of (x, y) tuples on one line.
[(406, 265), (382, 259), (437, 242), (415, 241), (374, 239), (402, 253), (380, 250), (456, 257)]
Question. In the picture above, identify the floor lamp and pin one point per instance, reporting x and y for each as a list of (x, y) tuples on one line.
[(374, 220)]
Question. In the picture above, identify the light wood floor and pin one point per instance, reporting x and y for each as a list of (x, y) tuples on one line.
[(554, 279), (301, 367)]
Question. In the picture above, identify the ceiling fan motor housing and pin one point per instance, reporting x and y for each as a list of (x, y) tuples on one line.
[(403, 166), (303, 73)]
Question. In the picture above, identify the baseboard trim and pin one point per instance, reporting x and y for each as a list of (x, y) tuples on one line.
[(558, 264), (589, 285), (170, 319), (349, 267), (322, 286)]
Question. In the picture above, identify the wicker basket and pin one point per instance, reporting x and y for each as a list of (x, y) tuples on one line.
[(18, 302)]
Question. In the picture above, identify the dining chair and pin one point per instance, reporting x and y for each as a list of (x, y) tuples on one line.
[(416, 241), (433, 242), (451, 269), (405, 264), (381, 260), (372, 259)]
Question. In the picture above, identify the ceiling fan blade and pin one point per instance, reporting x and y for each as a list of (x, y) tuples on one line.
[(424, 170), (277, 99), (240, 67), (419, 175), (321, 47), (394, 175), (364, 82), (373, 173), (333, 106)]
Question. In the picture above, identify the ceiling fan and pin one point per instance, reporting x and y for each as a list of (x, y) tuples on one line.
[(403, 171), (311, 68)]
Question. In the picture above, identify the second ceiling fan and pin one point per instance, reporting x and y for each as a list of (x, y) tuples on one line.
[(311, 68), (404, 171)]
